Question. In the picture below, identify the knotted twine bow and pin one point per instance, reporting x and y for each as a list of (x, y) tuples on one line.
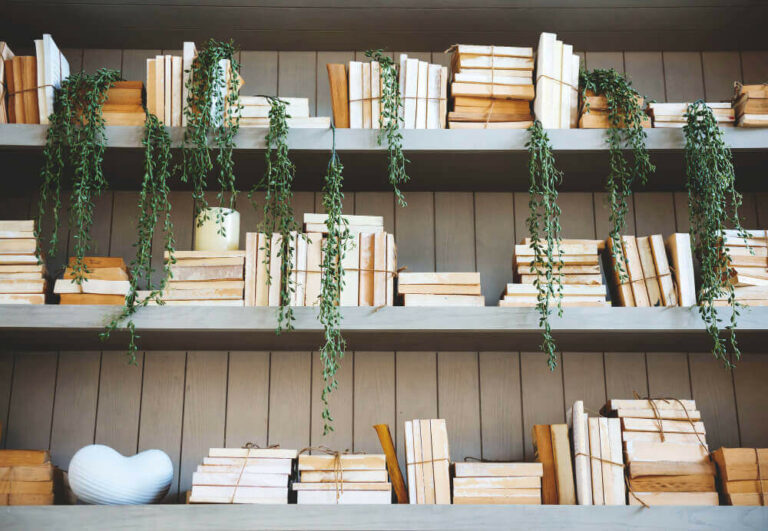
[(338, 469), (249, 446)]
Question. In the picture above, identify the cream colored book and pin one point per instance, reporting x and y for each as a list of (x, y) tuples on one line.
[(433, 97), (189, 53), (375, 95), (355, 94), (410, 102), (275, 266), (176, 91), (314, 262), (351, 265), (422, 88), (366, 77)]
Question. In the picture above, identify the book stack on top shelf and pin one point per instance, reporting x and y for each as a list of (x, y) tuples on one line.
[(666, 452), (123, 105), (578, 265), (672, 115), (427, 459), (478, 483), (595, 113), (26, 477), (255, 113), (22, 279), (106, 282), (243, 475), (423, 91), (204, 278), (557, 83), (750, 102), (645, 278), (553, 450), (748, 261), (440, 289), (492, 87), (343, 479), (743, 474)]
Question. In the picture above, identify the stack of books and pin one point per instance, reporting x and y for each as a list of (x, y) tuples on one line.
[(599, 465), (497, 483), (5, 55), (553, 450), (751, 105), (749, 266), (243, 475), (440, 289), (26, 477), (492, 87), (255, 113), (205, 278), (123, 105), (743, 475), (31, 81), (427, 460), (343, 479), (647, 278), (580, 274), (107, 282), (22, 279), (672, 115), (557, 83), (665, 451), (594, 113)]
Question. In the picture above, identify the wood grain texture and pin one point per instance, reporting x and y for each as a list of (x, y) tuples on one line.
[(259, 72), (95, 58), (31, 409), (247, 399), (584, 379), (340, 404), (749, 379), (289, 398), (415, 230), (683, 76), (721, 70), (646, 71), (542, 395), (454, 231), (494, 242), (297, 72), (625, 374), (117, 418), (416, 390), (374, 399), (712, 387), (668, 375), (500, 412), (6, 381), (459, 402), (323, 87)]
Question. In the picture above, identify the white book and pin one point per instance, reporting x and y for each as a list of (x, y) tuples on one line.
[(433, 97), (301, 273), (367, 96), (401, 82), (168, 90), (189, 53), (573, 89), (40, 64), (544, 62), (565, 90), (411, 92), (53, 70), (176, 81), (421, 95), (493, 76), (160, 88), (355, 94), (375, 95), (555, 87)]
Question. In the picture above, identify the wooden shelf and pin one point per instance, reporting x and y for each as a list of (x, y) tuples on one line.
[(236, 517), (441, 160), (54, 327)]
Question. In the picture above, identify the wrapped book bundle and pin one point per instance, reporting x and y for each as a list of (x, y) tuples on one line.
[(672, 115), (595, 114), (26, 477), (427, 460), (440, 289), (106, 282), (553, 451), (22, 279), (5, 55), (743, 474), (480, 483), (338, 478), (123, 105), (205, 278), (255, 113), (749, 268), (557, 83), (750, 103)]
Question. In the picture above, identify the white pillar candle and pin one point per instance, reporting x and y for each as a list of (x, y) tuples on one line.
[(215, 234)]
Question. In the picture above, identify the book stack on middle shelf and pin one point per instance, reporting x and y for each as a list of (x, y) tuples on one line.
[(743, 475), (557, 83), (343, 479), (750, 102), (595, 113), (496, 483), (123, 105), (106, 282), (748, 263), (492, 87), (427, 461), (440, 289), (204, 278), (672, 115), (22, 279), (255, 113)]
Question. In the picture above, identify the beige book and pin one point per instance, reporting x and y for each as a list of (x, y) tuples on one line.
[(568, 290), (366, 290), (438, 278), (418, 454), (391, 269), (415, 299), (22, 298), (23, 286), (490, 125), (251, 255), (679, 247), (426, 457), (595, 451), (433, 119), (618, 489), (440, 289), (522, 482), (496, 51), (441, 461), (411, 92), (260, 453), (358, 476), (151, 86), (347, 497), (348, 462), (367, 221), (256, 495), (485, 90), (248, 465), (275, 267), (669, 468), (366, 78), (262, 273), (231, 479), (410, 461), (176, 82), (198, 294), (199, 273), (351, 266), (356, 94), (380, 269), (495, 62), (18, 246), (189, 53), (589, 280), (167, 90), (443, 96), (668, 414), (294, 256), (671, 426), (347, 485), (649, 271), (650, 436), (375, 95), (301, 277), (12, 225), (567, 260), (503, 77), (35, 268), (674, 498), (491, 470), (660, 404), (561, 450), (606, 468), (666, 284), (206, 284), (314, 263), (422, 89)]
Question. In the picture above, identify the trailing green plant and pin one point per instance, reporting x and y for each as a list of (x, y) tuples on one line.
[(625, 114), (208, 114), (75, 143), (278, 210), (544, 228), (713, 204), (154, 206), (332, 281), (391, 122)]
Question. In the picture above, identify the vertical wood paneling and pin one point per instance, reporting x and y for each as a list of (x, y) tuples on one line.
[(646, 71), (750, 376), (6, 382), (542, 395), (101, 230), (415, 229), (584, 379), (681, 211), (289, 399), (721, 69), (500, 412), (494, 242), (205, 400), (117, 419), (339, 404), (29, 417), (259, 72), (74, 58), (458, 402), (655, 213), (162, 415), (603, 220), (135, 64), (761, 208), (683, 76), (613, 60), (56, 257), (748, 212), (416, 390), (454, 231), (16, 206), (323, 87), (377, 204), (95, 58), (578, 216), (374, 399), (124, 218), (182, 217), (247, 399), (74, 410), (754, 66), (712, 387), (625, 374), (668, 375), (296, 72)]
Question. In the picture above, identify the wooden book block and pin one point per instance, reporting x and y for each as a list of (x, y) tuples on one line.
[(275, 267), (419, 463), (176, 82), (410, 461), (669, 468), (347, 485), (391, 269), (443, 96), (667, 414), (252, 465), (299, 294), (380, 269), (13, 458), (28, 499), (598, 497), (674, 498), (337, 79), (259, 453), (685, 483), (426, 457), (670, 426), (256, 495), (201, 273), (581, 454), (659, 404), (17, 246), (421, 95), (28, 473), (649, 436), (618, 491), (606, 467), (314, 263), (12, 225), (29, 81), (22, 286), (350, 293), (561, 451), (749, 486), (433, 119), (20, 276), (411, 92), (492, 470), (92, 299), (231, 479), (416, 299), (475, 492), (737, 464), (348, 462), (388, 446), (531, 482), (440, 289), (588, 280), (347, 497), (356, 94), (746, 499), (438, 278), (356, 476), (367, 258), (679, 247), (649, 271), (666, 284), (542, 444), (366, 80), (375, 95), (441, 461)]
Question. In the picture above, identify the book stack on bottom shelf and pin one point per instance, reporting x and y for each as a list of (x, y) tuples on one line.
[(204, 278), (743, 474), (645, 278), (582, 282), (22, 279), (255, 113), (497, 483), (749, 268), (595, 113), (106, 282), (26, 477), (243, 475), (123, 105), (440, 289), (553, 450), (492, 87), (666, 452), (750, 103), (343, 479), (672, 115), (427, 460)]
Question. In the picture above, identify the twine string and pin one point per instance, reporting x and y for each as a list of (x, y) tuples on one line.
[(623, 467), (338, 469)]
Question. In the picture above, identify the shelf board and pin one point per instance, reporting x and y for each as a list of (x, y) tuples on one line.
[(440, 160), (374, 517), (54, 327)]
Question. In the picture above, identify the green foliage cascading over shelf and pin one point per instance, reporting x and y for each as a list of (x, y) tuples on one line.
[(391, 122), (278, 210), (207, 113), (545, 216), (713, 204), (334, 249), (154, 205), (626, 119), (75, 141)]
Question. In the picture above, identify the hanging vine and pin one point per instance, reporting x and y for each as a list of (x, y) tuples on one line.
[(391, 122), (212, 109), (626, 129), (154, 205), (713, 204), (545, 216), (75, 142), (278, 210), (334, 249)]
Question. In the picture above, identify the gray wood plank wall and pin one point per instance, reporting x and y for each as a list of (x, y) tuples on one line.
[(185, 402)]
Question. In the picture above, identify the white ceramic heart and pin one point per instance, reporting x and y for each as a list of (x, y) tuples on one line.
[(100, 475)]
